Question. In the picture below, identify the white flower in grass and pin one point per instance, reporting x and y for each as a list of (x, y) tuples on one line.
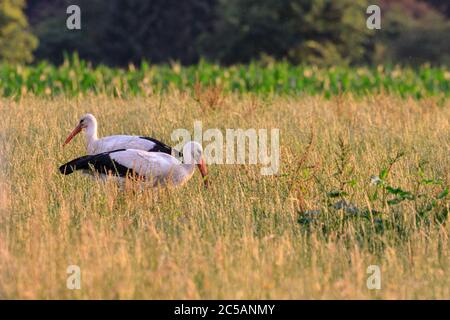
[(375, 180)]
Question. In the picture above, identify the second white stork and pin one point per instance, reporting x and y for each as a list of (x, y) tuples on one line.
[(155, 168), (97, 145)]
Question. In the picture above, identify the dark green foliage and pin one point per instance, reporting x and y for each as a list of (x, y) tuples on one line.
[(413, 33), (119, 32), (16, 42), (321, 32), (160, 30)]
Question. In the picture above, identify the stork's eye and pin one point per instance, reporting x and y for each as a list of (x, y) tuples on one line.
[(81, 121)]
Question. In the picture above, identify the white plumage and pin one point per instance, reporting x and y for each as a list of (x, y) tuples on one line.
[(156, 168), (95, 145)]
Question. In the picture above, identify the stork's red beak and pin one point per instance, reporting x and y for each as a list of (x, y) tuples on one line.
[(204, 172), (75, 131)]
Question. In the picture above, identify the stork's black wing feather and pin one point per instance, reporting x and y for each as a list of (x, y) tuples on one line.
[(76, 164), (162, 147), (100, 163)]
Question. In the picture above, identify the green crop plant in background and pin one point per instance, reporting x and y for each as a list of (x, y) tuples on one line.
[(76, 77)]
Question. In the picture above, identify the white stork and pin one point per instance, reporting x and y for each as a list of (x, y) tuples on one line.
[(155, 168), (111, 143)]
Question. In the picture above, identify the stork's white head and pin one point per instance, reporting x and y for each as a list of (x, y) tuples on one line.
[(193, 154), (87, 122)]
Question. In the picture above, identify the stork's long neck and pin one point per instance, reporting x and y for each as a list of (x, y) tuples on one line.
[(189, 169), (188, 165), (91, 133)]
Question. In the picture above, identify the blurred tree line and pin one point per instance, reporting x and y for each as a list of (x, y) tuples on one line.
[(16, 41), (117, 32)]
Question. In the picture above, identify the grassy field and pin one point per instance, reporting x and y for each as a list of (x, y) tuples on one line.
[(248, 236)]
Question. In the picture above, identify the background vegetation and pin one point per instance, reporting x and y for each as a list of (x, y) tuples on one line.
[(16, 41), (77, 77), (325, 32)]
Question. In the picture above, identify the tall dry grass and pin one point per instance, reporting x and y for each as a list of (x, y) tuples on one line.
[(242, 237)]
